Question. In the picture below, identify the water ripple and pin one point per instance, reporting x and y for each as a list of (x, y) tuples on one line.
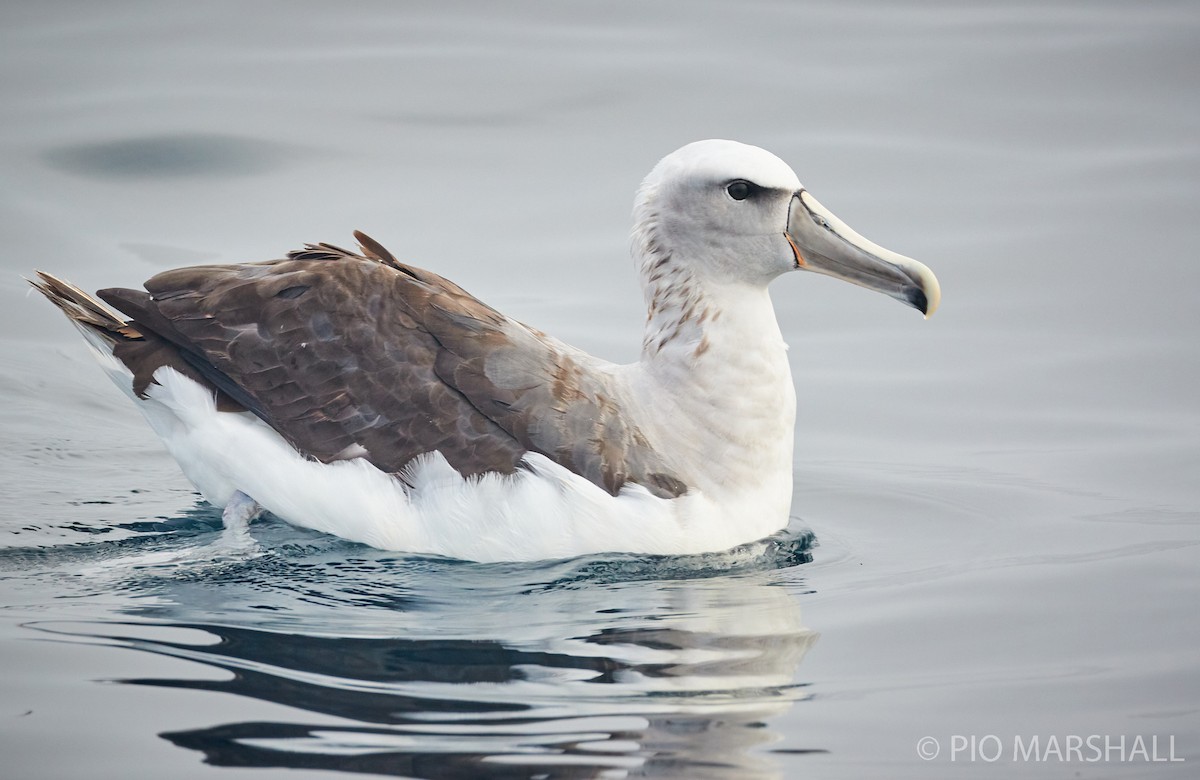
[(593, 667)]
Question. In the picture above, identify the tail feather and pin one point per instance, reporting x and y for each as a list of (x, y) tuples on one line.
[(132, 353), (84, 309)]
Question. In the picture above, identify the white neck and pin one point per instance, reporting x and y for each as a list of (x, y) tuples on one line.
[(716, 352)]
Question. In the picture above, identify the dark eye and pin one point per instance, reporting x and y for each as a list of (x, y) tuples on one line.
[(739, 190)]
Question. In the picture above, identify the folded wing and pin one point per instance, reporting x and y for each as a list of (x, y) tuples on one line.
[(350, 355)]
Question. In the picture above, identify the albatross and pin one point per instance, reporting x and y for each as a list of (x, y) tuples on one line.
[(356, 395)]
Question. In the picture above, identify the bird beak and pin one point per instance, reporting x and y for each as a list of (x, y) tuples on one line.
[(825, 244)]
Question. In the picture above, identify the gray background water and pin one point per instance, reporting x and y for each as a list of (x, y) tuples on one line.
[(1004, 499)]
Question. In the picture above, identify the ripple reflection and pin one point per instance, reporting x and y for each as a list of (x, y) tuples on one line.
[(438, 669)]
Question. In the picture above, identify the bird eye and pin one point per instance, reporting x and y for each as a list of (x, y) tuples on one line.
[(738, 190)]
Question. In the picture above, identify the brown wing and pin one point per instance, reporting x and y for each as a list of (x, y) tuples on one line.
[(342, 353), (549, 397)]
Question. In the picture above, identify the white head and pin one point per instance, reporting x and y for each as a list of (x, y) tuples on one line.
[(737, 214)]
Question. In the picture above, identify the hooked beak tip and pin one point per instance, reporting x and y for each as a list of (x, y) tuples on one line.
[(919, 301), (926, 294)]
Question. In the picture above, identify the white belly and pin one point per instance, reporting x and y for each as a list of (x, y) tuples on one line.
[(543, 511)]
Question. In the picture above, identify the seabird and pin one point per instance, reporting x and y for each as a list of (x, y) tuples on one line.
[(356, 395)]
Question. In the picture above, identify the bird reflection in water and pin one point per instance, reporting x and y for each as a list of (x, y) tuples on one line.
[(583, 676)]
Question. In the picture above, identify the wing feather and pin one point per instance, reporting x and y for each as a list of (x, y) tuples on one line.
[(341, 352)]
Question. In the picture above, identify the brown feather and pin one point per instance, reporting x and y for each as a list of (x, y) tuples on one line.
[(342, 353), (142, 351), (376, 251), (81, 307)]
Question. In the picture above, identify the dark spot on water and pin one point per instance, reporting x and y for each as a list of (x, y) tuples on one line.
[(188, 525), (170, 156), (87, 529)]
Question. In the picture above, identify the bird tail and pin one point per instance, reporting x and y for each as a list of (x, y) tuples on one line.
[(86, 312)]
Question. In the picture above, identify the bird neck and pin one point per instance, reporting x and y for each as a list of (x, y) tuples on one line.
[(678, 311), (692, 319), (716, 352), (694, 324)]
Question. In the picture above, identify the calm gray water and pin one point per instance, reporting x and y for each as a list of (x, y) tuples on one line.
[(997, 512)]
